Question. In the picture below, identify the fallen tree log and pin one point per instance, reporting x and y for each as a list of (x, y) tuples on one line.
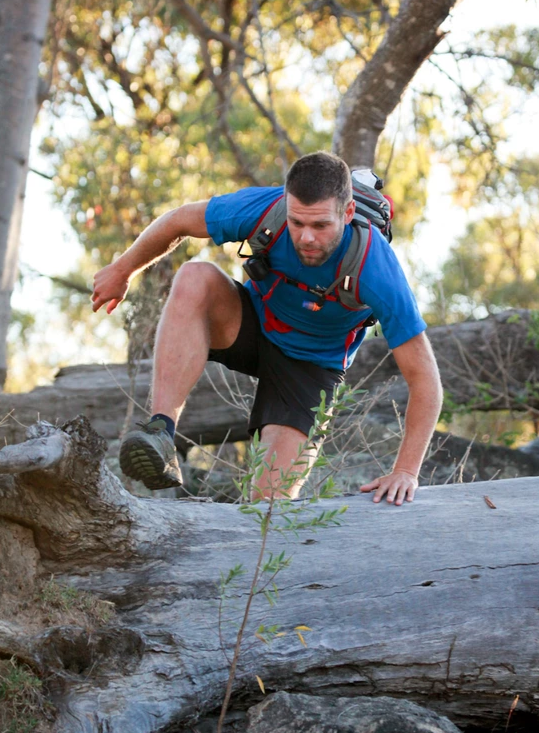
[(494, 353), (491, 363), (217, 409), (449, 458), (435, 601)]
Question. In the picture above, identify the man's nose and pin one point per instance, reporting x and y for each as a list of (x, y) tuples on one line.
[(307, 235)]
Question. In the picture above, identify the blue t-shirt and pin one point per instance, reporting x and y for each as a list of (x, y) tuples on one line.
[(331, 336)]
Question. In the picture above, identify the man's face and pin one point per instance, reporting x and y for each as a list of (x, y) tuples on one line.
[(317, 229)]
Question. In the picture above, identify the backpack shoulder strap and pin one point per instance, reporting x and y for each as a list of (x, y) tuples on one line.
[(347, 282), (269, 227)]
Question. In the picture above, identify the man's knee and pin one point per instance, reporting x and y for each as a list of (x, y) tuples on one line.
[(276, 434), (196, 281), (290, 446), (203, 290)]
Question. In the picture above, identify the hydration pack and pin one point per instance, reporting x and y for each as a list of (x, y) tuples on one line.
[(372, 207)]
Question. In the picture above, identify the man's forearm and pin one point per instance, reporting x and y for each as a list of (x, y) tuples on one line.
[(112, 282), (424, 405), (161, 237), (416, 361)]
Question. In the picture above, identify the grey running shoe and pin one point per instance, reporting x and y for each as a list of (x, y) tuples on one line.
[(149, 455)]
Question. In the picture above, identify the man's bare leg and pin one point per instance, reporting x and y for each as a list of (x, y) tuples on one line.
[(203, 311), (286, 443)]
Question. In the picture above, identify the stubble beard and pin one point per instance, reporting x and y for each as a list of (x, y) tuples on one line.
[(323, 257)]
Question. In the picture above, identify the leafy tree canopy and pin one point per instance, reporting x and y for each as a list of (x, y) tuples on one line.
[(175, 116)]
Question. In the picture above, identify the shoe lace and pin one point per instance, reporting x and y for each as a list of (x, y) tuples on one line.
[(146, 426)]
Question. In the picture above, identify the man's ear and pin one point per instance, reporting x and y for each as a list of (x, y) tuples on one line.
[(349, 212)]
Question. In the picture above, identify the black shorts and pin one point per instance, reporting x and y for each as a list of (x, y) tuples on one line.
[(288, 388)]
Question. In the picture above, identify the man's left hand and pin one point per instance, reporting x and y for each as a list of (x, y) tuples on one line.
[(397, 487)]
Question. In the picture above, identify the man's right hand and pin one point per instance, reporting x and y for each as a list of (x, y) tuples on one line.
[(110, 286)]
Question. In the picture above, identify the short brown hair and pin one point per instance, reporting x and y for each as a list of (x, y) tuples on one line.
[(318, 177)]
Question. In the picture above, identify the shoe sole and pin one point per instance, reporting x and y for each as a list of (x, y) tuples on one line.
[(141, 461)]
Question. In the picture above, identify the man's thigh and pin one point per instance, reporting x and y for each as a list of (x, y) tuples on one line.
[(242, 355), (201, 289)]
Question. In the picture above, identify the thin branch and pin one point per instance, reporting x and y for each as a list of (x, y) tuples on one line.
[(241, 403), (220, 84), (40, 173), (461, 465), (268, 114), (244, 165), (204, 31), (359, 53), (471, 105), (269, 87), (65, 282), (251, 595), (226, 14), (471, 53), (124, 77), (97, 108)]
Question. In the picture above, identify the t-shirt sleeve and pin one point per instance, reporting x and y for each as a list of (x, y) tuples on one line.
[(232, 217), (383, 286)]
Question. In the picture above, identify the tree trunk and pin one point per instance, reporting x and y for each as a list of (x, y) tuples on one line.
[(376, 91), (22, 32), (445, 616)]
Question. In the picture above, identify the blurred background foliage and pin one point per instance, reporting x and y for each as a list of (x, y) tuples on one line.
[(146, 112)]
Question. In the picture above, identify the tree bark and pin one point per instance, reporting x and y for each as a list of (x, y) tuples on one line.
[(495, 351), (22, 32), (373, 95), (444, 617)]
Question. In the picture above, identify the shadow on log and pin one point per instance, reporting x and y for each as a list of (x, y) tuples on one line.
[(436, 601)]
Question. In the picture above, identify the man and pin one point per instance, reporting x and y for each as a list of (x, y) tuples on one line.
[(272, 328)]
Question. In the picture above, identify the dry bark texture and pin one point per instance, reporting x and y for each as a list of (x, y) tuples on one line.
[(435, 601)]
